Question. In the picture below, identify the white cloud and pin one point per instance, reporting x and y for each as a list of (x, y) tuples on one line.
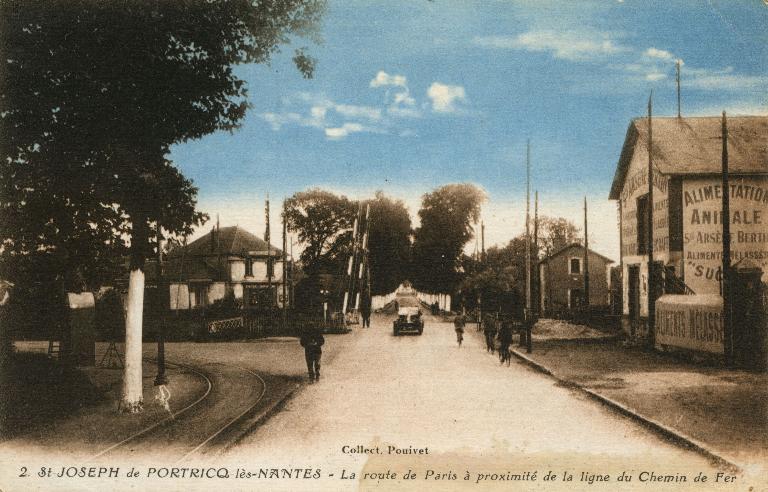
[(276, 121), (352, 111), (404, 112), (566, 45), (660, 54), (383, 79), (344, 131), (400, 102), (318, 112), (724, 80), (445, 96), (404, 98), (653, 64)]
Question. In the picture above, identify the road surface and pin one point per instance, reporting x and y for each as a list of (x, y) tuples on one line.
[(462, 409)]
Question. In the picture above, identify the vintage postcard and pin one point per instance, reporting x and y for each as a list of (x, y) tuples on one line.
[(383, 245)]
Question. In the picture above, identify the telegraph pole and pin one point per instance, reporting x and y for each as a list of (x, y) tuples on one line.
[(586, 256), (537, 296), (528, 327), (482, 241), (285, 267), (651, 267), (726, 268), (267, 239), (677, 78)]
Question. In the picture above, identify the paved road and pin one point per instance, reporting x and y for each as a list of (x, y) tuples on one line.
[(470, 412)]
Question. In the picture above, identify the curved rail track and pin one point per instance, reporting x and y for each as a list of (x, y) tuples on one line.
[(181, 430)]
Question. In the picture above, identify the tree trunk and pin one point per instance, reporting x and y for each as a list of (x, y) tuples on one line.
[(132, 397)]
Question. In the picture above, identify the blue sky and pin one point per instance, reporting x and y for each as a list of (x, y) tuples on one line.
[(409, 95)]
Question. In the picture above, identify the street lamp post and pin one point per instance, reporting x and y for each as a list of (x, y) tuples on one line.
[(161, 379)]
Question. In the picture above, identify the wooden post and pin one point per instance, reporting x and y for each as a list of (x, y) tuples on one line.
[(586, 256), (537, 290), (651, 268), (482, 241), (285, 268), (726, 267), (267, 240), (528, 320), (677, 77)]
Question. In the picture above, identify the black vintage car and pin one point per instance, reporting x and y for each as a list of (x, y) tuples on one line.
[(408, 320)]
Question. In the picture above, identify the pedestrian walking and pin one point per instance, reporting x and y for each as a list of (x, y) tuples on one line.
[(458, 325), (505, 340), (489, 330), (365, 312), (312, 340)]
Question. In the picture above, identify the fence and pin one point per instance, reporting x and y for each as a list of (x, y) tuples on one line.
[(261, 324)]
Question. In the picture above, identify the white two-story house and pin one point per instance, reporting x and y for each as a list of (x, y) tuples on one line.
[(228, 260)]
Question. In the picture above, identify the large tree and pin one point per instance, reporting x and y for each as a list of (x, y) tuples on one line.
[(92, 96), (323, 222), (389, 243), (446, 216), (499, 280), (556, 233)]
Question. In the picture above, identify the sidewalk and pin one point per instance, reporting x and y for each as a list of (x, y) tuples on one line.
[(725, 411)]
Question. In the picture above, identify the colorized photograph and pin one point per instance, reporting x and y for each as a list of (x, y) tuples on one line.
[(331, 245)]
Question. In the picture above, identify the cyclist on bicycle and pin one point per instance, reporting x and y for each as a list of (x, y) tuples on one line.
[(505, 340), (458, 325)]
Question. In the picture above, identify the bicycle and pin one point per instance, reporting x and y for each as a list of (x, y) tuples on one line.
[(504, 355), (459, 337), (458, 324)]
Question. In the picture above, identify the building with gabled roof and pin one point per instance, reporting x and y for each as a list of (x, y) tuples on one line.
[(687, 219), (561, 280), (225, 260)]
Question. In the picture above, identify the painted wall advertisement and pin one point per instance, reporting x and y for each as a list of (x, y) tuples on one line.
[(702, 228), (690, 322)]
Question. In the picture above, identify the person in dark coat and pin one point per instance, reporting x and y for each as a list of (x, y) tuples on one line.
[(489, 329), (365, 312), (312, 340), (505, 340)]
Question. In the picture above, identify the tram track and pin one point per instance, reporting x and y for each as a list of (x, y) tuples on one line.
[(204, 424)]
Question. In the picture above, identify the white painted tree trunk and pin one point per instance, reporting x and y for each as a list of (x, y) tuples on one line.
[(132, 378)]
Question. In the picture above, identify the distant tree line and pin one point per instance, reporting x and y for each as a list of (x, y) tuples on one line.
[(431, 256)]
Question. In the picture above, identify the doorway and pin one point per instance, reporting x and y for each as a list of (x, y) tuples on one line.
[(633, 295)]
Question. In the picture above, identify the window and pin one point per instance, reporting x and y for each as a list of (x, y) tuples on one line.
[(200, 293), (249, 267), (575, 266), (642, 224)]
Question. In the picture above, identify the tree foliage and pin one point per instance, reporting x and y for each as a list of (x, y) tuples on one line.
[(446, 216), (92, 96), (389, 243), (556, 233), (499, 280), (324, 224)]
